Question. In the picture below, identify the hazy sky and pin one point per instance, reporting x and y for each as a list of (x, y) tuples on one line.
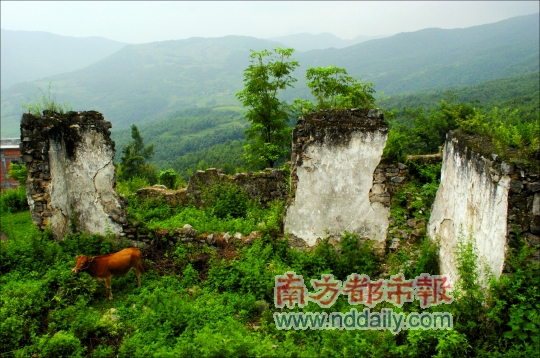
[(140, 22)]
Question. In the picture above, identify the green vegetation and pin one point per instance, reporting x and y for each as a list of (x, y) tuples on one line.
[(417, 131), (333, 88), (269, 135), (18, 172), (193, 139), (196, 302), (45, 103), (225, 208), (15, 199), (169, 178), (507, 130), (521, 91), (133, 161)]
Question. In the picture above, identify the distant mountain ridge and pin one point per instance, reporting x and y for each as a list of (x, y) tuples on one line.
[(439, 58), (57, 54), (143, 83), (306, 42)]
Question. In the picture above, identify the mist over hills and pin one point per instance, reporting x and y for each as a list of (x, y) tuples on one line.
[(306, 42), (31, 55), (438, 58), (143, 83)]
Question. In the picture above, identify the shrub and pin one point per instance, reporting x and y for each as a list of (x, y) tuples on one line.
[(18, 172), (147, 210), (14, 199), (169, 178), (226, 199), (130, 186), (61, 344)]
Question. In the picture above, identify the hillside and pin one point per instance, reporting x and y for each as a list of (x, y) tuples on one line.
[(521, 91), (142, 83), (148, 81), (192, 138), (31, 55)]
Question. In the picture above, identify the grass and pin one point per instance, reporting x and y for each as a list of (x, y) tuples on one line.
[(18, 225)]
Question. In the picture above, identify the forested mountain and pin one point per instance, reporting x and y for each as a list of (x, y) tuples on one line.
[(200, 138), (522, 91), (143, 83), (189, 137), (30, 55), (306, 42)]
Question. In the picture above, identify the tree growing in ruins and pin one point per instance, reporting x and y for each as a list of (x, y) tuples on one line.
[(332, 87), (269, 136), (133, 161)]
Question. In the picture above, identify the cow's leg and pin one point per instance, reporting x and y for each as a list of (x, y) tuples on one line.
[(107, 282), (138, 274)]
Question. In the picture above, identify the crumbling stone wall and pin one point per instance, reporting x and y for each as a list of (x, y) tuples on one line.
[(485, 196), (264, 186), (336, 183), (71, 174)]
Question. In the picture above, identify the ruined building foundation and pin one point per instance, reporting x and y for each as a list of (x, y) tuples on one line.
[(71, 174), (484, 196), (334, 157)]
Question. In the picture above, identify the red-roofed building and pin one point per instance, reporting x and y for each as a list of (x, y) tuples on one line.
[(9, 153)]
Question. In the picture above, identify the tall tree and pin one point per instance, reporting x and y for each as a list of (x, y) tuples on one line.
[(269, 136), (133, 161)]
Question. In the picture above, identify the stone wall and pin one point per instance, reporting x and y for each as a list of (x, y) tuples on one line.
[(264, 186), (337, 184), (483, 195), (71, 174)]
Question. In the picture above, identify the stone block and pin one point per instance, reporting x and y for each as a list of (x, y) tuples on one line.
[(395, 244), (27, 158), (532, 239), (378, 189), (516, 186), (188, 230), (536, 205)]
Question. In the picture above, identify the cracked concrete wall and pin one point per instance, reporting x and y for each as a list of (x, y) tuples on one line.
[(71, 174), (472, 199), (335, 154)]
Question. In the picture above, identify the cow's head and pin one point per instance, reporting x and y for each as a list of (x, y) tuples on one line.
[(82, 263)]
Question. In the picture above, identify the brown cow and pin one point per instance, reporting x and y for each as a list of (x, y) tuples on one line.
[(102, 268)]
